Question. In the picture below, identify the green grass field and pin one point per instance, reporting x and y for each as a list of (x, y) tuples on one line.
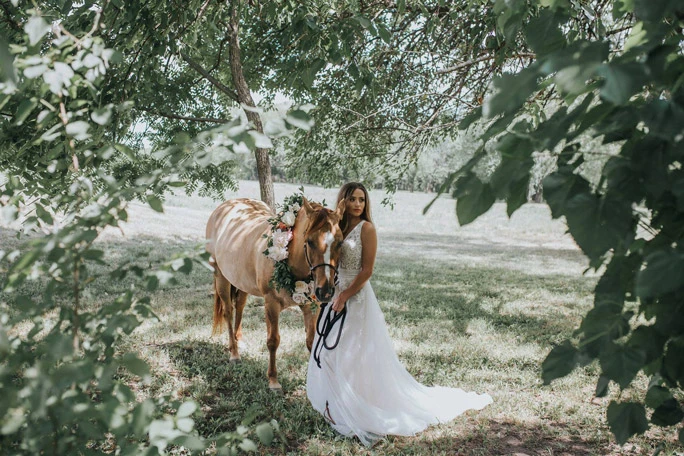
[(475, 307)]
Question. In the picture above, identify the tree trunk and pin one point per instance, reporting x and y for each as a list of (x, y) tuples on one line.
[(263, 160)]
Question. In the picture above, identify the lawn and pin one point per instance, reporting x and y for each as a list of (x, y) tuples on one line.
[(475, 307)]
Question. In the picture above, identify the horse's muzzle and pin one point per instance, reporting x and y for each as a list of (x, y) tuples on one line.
[(325, 294)]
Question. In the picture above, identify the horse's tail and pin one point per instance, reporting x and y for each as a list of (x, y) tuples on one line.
[(219, 321)]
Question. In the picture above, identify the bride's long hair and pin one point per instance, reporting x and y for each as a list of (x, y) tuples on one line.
[(344, 193)]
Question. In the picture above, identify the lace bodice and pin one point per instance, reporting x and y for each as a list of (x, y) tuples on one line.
[(350, 258)]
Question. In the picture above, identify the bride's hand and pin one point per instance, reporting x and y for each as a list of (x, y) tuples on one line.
[(339, 302)]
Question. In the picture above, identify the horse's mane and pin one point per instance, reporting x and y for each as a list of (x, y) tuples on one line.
[(319, 217)]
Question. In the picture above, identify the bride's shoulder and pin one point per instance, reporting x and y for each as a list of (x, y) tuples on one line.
[(367, 228)]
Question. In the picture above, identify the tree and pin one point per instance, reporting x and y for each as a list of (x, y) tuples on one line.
[(64, 384), (619, 82)]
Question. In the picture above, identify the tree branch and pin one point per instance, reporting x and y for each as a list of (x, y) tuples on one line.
[(215, 82), (188, 118), (478, 60)]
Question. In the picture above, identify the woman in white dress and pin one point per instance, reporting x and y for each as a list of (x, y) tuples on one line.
[(354, 377)]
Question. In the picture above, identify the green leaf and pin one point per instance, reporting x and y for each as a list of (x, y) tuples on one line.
[(511, 178), (248, 445), (602, 386), (101, 116), (186, 409), (299, 119), (13, 420), (657, 395), (472, 117), (127, 151), (142, 416), (364, 21), (24, 109), (621, 81), (152, 283), (637, 36), (36, 28), (6, 64), (622, 363), (185, 424), (385, 34), (473, 198), (155, 203), (191, 442), (510, 92), (309, 75), (648, 339), (35, 71), (265, 433), (543, 34), (673, 362), (664, 273), (135, 365), (44, 215), (78, 129), (582, 216), (555, 4), (626, 419), (668, 413), (559, 362)]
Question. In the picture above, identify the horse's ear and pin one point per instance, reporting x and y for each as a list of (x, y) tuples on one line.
[(306, 206), (341, 206)]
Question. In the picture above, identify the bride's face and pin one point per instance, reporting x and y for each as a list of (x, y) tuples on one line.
[(356, 202)]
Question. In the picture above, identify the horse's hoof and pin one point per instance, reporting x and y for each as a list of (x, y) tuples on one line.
[(277, 391), (235, 361)]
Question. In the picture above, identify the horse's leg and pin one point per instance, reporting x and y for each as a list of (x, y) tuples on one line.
[(240, 301), (309, 324), (223, 307), (272, 309)]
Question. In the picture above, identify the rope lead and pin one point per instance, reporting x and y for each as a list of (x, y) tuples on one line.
[(324, 332)]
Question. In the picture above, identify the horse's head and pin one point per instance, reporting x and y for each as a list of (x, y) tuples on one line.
[(322, 245)]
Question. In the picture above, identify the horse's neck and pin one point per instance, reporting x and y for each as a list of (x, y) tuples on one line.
[(296, 258)]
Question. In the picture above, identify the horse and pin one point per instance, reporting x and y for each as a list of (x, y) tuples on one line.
[(236, 236)]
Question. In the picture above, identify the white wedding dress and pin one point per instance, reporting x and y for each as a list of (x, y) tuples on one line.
[(361, 387)]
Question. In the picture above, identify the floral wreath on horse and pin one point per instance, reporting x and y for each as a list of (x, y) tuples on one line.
[(303, 292)]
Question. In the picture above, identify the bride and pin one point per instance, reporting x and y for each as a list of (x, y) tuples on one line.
[(355, 379)]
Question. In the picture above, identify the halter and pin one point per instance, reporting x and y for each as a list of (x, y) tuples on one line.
[(329, 321), (312, 268)]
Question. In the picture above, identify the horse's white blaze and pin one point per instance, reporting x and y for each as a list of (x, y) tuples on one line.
[(329, 239)]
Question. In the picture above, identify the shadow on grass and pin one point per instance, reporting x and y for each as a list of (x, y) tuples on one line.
[(228, 392), (536, 309), (502, 437)]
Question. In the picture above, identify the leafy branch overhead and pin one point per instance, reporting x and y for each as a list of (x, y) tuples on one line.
[(67, 176), (619, 79)]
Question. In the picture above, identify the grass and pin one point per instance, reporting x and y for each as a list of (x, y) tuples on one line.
[(475, 307)]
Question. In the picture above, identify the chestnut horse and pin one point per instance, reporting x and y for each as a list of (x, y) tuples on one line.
[(236, 242)]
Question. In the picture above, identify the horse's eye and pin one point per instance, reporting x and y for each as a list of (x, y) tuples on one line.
[(311, 244)]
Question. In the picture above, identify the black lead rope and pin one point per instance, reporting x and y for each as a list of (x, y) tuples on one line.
[(324, 332)]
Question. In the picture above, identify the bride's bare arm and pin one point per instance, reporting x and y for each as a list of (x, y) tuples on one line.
[(369, 243)]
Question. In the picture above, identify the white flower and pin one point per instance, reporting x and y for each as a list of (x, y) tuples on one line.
[(301, 287), (312, 288), (277, 253), (288, 218), (295, 207), (299, 298), (281, 238)]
